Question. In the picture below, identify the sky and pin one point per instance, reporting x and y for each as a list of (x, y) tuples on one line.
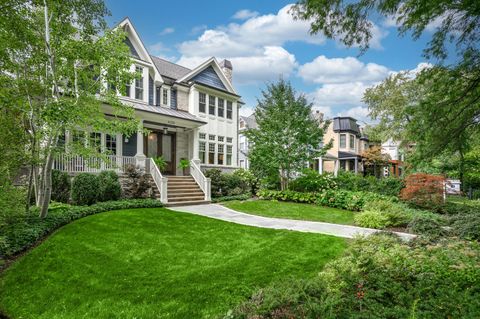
[(264, 43)]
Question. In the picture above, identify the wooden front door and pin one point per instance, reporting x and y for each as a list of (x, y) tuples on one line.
[(158, 144)]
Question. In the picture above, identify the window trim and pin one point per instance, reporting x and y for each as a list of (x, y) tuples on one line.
[(350, 140), (229, 110), (139, 84), (221, 108), (204, 102), (340, 141), (212, 107)]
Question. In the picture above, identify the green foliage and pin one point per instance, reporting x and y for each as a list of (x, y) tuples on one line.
[(312, 181), (287, 134), (85, 189), (380, 277), (348, 200), (61, 185), (390, 186), (249, 178), (137, 185), (161, 163), (232, 197), (382, 214), (110, 188), (466, 226), (184, 163), (428, 225), (24, 231), (227, 184)]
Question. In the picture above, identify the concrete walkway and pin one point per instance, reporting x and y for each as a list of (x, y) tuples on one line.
[(223, 213)]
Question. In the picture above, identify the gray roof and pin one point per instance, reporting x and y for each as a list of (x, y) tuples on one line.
[(166, 111), (250, 121), (169, 69), (346, 124)]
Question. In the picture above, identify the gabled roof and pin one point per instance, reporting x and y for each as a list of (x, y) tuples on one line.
[(250, 121), (170, 69), (210, 62)]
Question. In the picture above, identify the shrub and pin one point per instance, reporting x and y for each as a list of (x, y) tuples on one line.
[(428, 225), (423, 190), (136, 185), (110, 188), (382, 214), (218, 183), (248, 178), (332, 198), (390, 186), (61, 186), (380, 277), (312, 181), (229, 198), (25, 230), (227, 184), (466, 226), (85, 189)]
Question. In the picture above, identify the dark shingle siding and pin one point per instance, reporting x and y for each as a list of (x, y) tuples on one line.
[(346, 124), (209, 77), (133, 52)]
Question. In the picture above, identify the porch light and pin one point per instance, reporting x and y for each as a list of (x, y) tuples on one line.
[(165, 130)]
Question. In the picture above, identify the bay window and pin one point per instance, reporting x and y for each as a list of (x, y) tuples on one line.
[(211, 153), (221, 150), (343, 141)]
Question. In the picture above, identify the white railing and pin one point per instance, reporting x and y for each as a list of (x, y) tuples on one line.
[(160, 181), (201, 180), (79, 164)]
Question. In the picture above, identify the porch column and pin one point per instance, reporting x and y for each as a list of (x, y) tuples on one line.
[(194, 140), (140, 156), (103, 147), (356, 165), (320, 165), (335, 170)]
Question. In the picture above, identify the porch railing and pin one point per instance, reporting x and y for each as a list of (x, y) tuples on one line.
[(202, 181), (160, 181), (79, 164)]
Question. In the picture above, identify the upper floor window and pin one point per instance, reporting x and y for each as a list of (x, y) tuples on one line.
[(202, 102), (139, 84), (165, 96), (343, 141), (221, 107), (352, 142), (211, 105), (229, 110), (211, 137), (229, 140), (202, 136), (221, 138)]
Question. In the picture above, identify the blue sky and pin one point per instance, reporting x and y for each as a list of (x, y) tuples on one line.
[(263, 43)]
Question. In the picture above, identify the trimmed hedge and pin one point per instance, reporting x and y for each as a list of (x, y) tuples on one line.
[(233, 197), (86, 189), (61, 185), (26, 230), (336, 198), (110, 188)]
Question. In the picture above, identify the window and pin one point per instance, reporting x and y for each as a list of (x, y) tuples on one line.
[(221, 151), (202, 102), (242, 124), (242, 146), (221, 138), (229, 154), (352, 142), (229, 110), (111, 144), (229, 140), (96, 141), (211, 137), (343, 141), (139, 84), (221, 107), (211, 105), (157, 96), (127, 90), (165, 96), (202, 136), (211, 153), (78, 137), (201, 152)]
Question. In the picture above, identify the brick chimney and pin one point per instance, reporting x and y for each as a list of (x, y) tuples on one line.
[(227, 69)]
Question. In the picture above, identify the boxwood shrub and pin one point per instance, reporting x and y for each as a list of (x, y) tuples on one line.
[(85, 189), (61, 185), (336, 198), (25, 230), (110, 188)]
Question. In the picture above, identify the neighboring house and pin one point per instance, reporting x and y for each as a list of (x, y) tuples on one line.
[(392, 148), (348, 143), (190, 113), (244, 123)]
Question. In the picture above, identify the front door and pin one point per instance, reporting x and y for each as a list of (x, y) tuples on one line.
[(158, 144)]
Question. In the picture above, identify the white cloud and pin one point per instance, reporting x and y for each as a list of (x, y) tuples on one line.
[(359, 112), (167, 31), (323, 70), (160, 50), (245, 14), (339, 94), (199, 28)]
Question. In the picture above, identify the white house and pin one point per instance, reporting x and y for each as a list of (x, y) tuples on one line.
[(245, 123), (190, 114)]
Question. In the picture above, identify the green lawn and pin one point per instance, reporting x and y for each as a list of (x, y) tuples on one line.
[(293, 211), (155, 263)]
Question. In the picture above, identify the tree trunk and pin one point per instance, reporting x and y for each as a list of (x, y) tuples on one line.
[(47, 186), (461, 169)]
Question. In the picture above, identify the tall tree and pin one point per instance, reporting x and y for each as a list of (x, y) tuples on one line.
[(288, 136), (64, 65)]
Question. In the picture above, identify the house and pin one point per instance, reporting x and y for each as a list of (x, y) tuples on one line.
[(396, 167), (245, 123), (189, 113), (348, 143)]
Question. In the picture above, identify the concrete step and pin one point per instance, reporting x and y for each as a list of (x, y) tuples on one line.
[(189, 195), (191, 203), (184, 191), (187, 198)]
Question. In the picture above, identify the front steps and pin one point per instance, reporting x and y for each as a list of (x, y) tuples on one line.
[(184, 190)]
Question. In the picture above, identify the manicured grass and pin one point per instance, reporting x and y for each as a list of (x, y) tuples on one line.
[(293, 211), (155, 263)]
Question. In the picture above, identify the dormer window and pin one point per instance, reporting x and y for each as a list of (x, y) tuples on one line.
[(139, 84), (165, 96)]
